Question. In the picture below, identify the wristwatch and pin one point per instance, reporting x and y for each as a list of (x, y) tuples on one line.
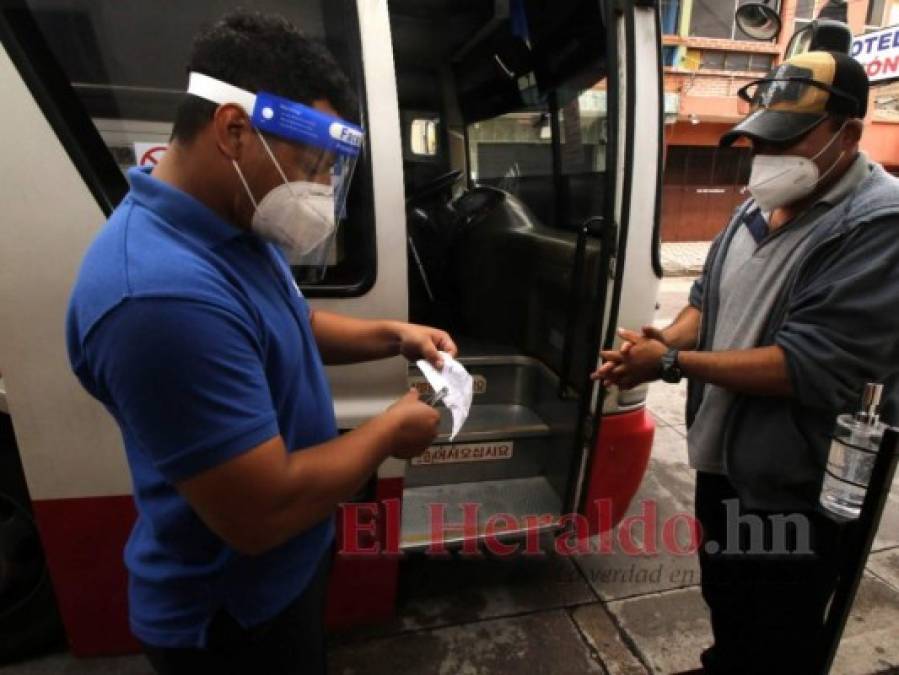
[(669, 371)]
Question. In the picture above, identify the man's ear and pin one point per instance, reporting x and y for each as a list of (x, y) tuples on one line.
[(853, 132), (230, 125)]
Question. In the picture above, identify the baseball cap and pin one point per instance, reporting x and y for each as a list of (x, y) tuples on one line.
[(799, 94)]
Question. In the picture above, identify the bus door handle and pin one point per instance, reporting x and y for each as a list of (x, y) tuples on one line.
[(607, 233)]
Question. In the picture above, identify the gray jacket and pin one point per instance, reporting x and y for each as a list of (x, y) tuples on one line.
[(837, 321)]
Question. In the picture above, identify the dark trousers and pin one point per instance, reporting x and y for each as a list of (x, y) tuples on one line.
[(767, 610), (290, 643)]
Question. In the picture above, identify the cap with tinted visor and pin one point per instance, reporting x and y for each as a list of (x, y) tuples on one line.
[(337, 141), (782, 109), (798, 94)]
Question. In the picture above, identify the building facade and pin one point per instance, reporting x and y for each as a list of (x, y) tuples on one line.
[(707, 60)]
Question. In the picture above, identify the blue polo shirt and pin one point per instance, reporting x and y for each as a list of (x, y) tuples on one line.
[(195, 337)]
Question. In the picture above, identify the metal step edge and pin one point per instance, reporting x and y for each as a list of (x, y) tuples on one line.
[(529, 431)]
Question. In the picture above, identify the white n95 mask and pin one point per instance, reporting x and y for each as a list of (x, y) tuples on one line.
[(779, 180), (298, 216)]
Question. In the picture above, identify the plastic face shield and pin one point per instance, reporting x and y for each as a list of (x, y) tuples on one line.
[(333, 145), (793, 94)]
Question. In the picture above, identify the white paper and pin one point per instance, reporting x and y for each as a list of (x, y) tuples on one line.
[(458, 384)]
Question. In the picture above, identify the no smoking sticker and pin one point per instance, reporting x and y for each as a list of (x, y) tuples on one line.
[(149, 154)]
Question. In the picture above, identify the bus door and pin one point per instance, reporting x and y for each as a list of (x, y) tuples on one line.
[(524, 227)]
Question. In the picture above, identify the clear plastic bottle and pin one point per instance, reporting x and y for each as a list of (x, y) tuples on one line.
[(853, 449)]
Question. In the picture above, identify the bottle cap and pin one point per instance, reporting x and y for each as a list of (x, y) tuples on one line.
[(871, 398)]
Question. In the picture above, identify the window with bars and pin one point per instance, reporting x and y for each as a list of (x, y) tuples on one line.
[(805, 9), (805, 12), (735, 61), (875, 14)]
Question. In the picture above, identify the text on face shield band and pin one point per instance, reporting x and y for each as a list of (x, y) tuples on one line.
[(282, 117)]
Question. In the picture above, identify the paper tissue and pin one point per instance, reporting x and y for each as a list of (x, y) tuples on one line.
[(453, 385)]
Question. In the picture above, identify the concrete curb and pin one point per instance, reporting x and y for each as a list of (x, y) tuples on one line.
[(673, 270), (684, 258)]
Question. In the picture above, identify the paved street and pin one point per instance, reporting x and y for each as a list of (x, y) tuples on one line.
[(614, 614)]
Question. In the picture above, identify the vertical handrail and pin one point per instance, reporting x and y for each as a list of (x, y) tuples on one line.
[(598, 227), (561, 206), (859, 539)]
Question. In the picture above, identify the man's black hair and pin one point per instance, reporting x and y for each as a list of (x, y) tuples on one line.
[(262, 52)]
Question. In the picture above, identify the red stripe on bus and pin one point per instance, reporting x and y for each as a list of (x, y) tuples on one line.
[(83, 540), (363, 587)]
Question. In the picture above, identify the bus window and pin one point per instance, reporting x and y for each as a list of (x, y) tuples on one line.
[(516, 153), (582, 149), (513, 152), (423, 137), (126, 61)]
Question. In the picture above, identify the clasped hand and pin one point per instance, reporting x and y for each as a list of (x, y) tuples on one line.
[(637, 360)]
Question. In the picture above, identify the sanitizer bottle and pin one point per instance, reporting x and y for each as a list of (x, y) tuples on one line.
[(856, 439)]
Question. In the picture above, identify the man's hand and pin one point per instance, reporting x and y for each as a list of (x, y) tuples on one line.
[(415, 425), (344, 339), (422, 342), (267, 495), (649, 333), (638, 363)]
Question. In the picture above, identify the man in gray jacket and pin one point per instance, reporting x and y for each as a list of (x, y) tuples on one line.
[(797, 308)]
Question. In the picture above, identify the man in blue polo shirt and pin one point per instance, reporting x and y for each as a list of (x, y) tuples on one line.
[(185, 322)]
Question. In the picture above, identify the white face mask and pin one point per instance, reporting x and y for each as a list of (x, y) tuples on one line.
[(779, 180), (298, 215)]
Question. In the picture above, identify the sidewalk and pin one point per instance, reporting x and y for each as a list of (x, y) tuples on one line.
[(684, 258), (609, 614)]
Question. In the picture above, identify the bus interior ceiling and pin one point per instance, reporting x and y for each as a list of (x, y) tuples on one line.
[(495, 192)]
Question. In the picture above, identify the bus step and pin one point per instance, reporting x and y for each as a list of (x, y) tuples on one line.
[(493, 421), (529, 503)]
